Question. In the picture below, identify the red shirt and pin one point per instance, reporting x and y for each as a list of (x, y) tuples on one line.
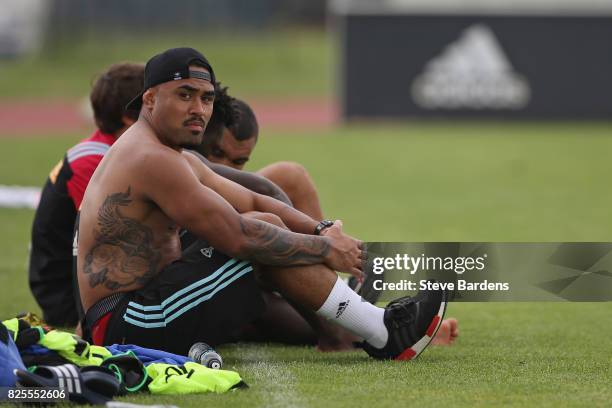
[(83, 160)]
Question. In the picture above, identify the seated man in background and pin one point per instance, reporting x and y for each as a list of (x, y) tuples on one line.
[(50, 269), (229, 139)]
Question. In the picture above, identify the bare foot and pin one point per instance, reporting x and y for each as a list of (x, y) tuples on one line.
[(447, 333), (343, 340)]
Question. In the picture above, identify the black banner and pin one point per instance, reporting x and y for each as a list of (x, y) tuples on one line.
[(519, 66)]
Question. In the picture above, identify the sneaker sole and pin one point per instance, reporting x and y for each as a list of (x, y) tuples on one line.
[(417, 348)]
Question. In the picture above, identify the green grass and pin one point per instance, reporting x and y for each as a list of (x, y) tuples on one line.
[(417, 182), (479, 182), (508, 354), (285, 63)]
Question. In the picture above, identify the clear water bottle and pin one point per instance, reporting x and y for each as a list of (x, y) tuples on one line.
[(204, 354)]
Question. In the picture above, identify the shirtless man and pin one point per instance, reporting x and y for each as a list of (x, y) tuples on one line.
[(138, 287)]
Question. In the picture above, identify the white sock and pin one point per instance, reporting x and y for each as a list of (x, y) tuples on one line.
[(346, 308)]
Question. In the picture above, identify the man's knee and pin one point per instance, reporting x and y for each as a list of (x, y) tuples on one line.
[(288, 175), (292, 170)]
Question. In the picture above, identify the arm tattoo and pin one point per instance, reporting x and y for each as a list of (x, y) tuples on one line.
[(271, 245), (123, 252)]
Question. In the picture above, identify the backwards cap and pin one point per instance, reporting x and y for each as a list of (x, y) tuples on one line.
[(172, 65)]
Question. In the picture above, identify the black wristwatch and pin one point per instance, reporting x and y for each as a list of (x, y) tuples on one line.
[(322, 225)]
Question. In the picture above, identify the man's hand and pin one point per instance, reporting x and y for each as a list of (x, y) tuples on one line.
[(346, 253)]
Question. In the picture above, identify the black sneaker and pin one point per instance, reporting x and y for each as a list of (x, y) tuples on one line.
[(412, 324)]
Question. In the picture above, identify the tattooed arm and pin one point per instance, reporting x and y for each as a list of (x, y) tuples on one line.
[(181, 195), (270, 245)]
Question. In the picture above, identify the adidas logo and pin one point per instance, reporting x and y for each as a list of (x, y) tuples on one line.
[(474, 73), (341, 307), (207, 252)]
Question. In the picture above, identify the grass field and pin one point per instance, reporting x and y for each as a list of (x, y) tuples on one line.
[(416, 182)]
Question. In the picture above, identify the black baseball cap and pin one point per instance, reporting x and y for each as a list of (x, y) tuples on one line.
[(172, 65)]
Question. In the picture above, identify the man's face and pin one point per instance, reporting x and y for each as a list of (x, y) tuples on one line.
[(181, 110), (231, 152)]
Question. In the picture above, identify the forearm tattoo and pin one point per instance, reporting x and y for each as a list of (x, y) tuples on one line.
[(123, 252), (270, 245)]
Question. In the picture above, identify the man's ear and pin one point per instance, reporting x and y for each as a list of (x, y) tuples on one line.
[(148, 98)]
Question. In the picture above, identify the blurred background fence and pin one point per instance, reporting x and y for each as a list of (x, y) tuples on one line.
[(25, 25), (68, 16), (389, 59)]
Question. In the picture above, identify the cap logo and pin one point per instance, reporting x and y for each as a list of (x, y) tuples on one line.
[(177, 76)]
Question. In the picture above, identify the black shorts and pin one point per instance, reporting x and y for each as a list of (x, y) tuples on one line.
[(204, 296)]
